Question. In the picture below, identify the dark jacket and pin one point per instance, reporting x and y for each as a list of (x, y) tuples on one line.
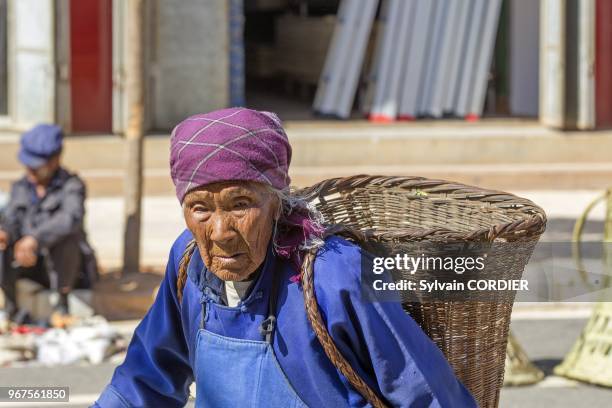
[(57, 216)]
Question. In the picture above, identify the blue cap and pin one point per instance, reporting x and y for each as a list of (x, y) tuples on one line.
[(39, 144)]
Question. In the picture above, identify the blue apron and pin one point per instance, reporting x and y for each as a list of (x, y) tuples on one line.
[(232, 372)]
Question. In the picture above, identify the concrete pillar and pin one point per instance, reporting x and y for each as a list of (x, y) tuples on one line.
[(552, 62), (586, 65), (188, 59), (567, 58)]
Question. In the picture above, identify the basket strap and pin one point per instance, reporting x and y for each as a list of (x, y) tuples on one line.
[(181, 278), (332, 352)]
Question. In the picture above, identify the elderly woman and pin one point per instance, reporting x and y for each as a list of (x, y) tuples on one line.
[(230, 314)]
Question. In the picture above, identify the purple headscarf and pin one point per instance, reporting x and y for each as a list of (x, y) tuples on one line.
[(229, 144), (239, 144)]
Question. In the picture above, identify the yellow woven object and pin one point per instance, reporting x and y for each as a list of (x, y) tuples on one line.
[(519, 370), (590, 359)]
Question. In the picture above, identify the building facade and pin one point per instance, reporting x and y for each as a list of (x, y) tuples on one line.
[(63, 61)]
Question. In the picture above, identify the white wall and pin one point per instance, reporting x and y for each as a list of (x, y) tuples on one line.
[(32, 63)]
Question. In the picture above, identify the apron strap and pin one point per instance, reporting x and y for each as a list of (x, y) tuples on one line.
[(203, 314), (269, 324)]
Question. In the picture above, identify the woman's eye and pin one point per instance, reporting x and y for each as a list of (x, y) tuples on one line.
[(200, 209), (240, 205)]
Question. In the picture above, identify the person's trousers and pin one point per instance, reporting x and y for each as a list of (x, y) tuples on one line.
[(57, 268)]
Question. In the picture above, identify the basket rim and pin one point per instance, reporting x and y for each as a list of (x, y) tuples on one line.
[(531, 226)]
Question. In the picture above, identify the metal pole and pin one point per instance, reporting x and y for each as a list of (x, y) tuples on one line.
[(372, 79), (468, 66), (434, 57), (133, 136), (397, 43), (552, 63), (414, 62), (446, 59), (344, 60), (586, 64), (327, 87), (352, 69), (483, 60), (459, 43), (393, 95), (391, 44)]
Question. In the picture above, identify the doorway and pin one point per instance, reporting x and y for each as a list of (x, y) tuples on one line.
[(91, 65)]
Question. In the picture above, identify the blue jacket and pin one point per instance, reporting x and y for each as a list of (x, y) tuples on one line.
[(385, 345)]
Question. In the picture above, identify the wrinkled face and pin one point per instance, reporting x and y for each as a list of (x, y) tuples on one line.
[(232, 224)]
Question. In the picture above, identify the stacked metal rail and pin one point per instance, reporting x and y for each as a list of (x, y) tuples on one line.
[(340, 77), (449, 53), (431, 59)]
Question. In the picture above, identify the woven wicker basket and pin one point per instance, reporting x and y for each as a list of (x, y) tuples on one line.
[(396, 213)]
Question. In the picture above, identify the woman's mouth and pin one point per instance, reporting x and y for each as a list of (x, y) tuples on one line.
[(228, 259)]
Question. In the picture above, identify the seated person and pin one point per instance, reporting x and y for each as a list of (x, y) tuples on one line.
[(41, 231)]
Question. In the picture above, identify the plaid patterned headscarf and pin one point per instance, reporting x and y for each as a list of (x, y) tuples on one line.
[(229, 144), (240, 144)]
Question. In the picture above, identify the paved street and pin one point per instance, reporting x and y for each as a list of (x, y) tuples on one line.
[(546, 340)]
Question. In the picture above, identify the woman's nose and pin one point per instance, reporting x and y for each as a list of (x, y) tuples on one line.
[(222, 230)]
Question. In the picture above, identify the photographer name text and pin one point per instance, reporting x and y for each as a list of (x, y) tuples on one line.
[(429, 286)]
